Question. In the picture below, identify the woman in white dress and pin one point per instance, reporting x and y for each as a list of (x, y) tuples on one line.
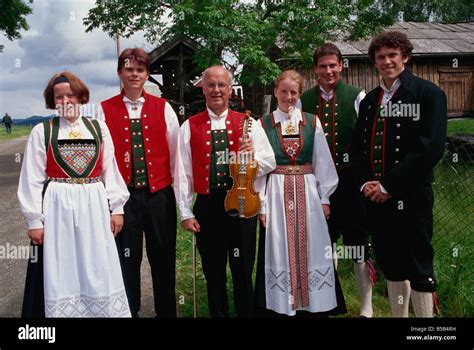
[(77, 215), (297, 267)]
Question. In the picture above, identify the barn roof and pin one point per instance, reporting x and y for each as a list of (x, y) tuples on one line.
[(428, 39), (161, 51)]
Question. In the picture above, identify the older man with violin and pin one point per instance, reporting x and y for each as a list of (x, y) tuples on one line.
[(208, 142)]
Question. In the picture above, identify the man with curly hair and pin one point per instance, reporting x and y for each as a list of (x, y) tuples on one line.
[(398, 139)]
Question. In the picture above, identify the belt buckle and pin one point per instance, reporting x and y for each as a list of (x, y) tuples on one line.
[(293, 170)]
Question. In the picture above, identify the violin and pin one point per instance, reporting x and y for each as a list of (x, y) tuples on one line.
[(241, 200)]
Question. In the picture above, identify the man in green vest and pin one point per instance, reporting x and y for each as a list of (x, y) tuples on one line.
[(337, 104)]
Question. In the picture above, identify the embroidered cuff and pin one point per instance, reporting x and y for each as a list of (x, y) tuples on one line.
[(118, 210), (34, 224), (325, 200), (186, 214)]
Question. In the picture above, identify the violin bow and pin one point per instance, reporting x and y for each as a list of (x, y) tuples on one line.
[(194, 277)]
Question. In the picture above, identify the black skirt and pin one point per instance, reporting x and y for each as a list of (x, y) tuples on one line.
[(33, 298)]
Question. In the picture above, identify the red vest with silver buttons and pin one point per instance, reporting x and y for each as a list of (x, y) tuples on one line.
[(157, 154), (56, 167), (200, 127)]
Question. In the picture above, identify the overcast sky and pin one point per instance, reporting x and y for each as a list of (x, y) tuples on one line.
[(57, 41)]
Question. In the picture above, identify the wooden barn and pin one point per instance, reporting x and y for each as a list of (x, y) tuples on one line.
[(173, 60), (181, 79), (443, 54)]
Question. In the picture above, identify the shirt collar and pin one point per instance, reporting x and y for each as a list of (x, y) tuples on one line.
[(65, 122), (324, 91), (328, 95), (280, 113), (283, 116), (213, 115), (126, 99), (396, 84)]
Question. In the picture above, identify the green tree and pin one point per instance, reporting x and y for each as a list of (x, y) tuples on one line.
[(12, 19), (265, 36), (447, 11)]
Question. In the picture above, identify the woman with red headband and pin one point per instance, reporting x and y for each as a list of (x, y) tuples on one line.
[(72, 196)]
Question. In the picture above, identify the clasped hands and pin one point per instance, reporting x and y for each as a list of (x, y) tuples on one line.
[(373, 192)]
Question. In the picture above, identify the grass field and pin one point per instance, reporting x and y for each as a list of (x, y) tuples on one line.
[(453, 243), (454, 238), (463, 126), (454, 225)]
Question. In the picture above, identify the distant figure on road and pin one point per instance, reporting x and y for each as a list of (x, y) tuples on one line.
[(7, 120)]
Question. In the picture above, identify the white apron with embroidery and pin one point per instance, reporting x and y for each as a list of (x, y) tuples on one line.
[(321, 279), (82, 274)]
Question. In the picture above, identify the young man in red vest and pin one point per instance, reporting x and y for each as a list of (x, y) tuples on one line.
[(145, 132), (206, 141)]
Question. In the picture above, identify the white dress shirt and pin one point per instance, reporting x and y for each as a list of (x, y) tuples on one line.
[(388, 93)]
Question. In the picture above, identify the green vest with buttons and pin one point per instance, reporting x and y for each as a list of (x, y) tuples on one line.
[(139, 170), (219, 172), (338, 117)]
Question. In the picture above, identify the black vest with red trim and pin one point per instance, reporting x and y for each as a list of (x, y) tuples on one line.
[(82, 159), (401, 150), (201, 138), (155, 143)]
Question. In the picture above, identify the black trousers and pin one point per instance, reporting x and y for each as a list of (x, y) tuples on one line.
[(402, 229), (223, 237), (155, 215), (348, 214)]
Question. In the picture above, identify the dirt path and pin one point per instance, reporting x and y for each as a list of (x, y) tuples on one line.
[(12, 228)]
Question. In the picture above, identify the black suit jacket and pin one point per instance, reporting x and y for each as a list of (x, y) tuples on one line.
[(412, 148)]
